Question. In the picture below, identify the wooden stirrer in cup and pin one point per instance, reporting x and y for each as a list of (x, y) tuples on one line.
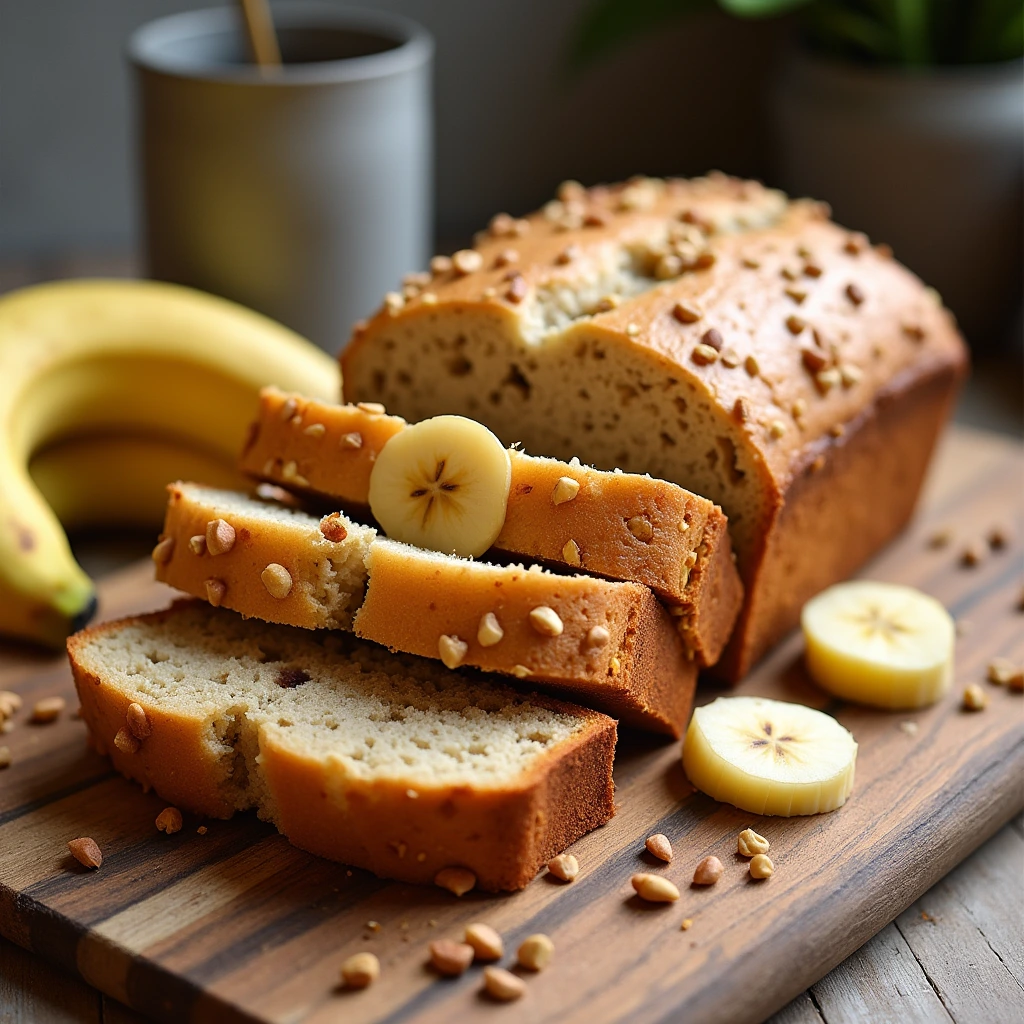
[(259, 26)]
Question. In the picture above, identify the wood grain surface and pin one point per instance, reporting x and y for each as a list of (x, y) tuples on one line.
[(237, 925)]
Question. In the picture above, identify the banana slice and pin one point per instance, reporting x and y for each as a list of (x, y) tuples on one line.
[(442, 484), (879, 643), (769, 757)]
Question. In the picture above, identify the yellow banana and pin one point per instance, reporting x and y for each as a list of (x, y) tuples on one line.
[(120, 357)]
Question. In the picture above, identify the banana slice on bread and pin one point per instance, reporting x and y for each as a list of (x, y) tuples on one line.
[(769, 757), (442, 484), (879, 643)]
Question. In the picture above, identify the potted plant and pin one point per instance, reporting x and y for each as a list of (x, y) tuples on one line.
[(906, 115)]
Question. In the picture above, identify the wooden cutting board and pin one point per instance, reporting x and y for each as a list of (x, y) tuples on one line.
[(235, 924)]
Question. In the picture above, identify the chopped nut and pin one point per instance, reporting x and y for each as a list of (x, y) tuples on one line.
[(826, 380), (394, 301), (799, 408), (750, 263), (202, 830), (126, 742), (632, 330), (640, 528), (654, 888), (713, 339), (761, 866), (86, 852), (795, 324), (999, 671), (163, 551), (708, 871), (854, 294), (972, 554), (796, 294), (452, 650), (850, 374), (502, 225), (567, 255), (503, 985), (215, 591), (687, 312), (813, 270), (740, 410), (598, 636), (220, 537), (790, 273), (169, 820), (751, 365), (288, 409), (565, 489), (520, 671), (998, 537), (837, 430), (535, 952), (941, 538), (686, 925), (371, 408), (516, 290), (749, 843), (440, 264), (855, 244), (360, 970), (47, 710), (608, 302), (352, 440), (909, 727), (1016, 681), (467, 261), (564, 867), (814, 359), (489, 631), (278, 580), (659, 846), (315, 430), (484, 941), (5, 757), (614, 666), (545, 621), (197, 544), (10, 702), (571, 553), (506, 257), (975, 698), (703, 355), (776, 429), (428, 298), (450, 958), (913, 331), (455, 880), (333, 528), (730, 358)]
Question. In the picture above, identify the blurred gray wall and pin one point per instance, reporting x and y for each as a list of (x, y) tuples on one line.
[(510, 123)]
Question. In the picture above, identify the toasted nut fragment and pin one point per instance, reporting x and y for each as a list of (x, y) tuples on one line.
[(5, 757), (713, 339), (854, 294), (654, 888), (467, 261), (633, 330), (826, 380), (850, 374), (776, 429), (545, 621), (126, 742), (740, 410), (516, 290), (169, 820), (333, 528), (220, 536), (999, 671), (86, 852), (730, 358), (352, 440), (614, 666), (761, 866), (138, 721), (485, 941), (215, 591), (503, 985), (795, 324), (565, 490), (686, 312), (197, 544), (941, 538), (752, 366), (703, 355), (440, 264), (640, 528), (565, 867), (598, 636), (9, 703), (749, 843), (813, 359), (659, 846), (163, 551), (47, 709), (686, 925), (371, 408), (452, 650), (450, 958), (708, 871), (571, 553), (520, 671), (910, 727), (288, 409), (489, 631), (360, 970), (456, 880), (1016, 681), (796, 294), (278, 580), (975, 698), (972, 555), (998, 537), (535, 952)]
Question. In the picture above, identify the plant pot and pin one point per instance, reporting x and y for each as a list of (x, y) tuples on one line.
[(929, 161)]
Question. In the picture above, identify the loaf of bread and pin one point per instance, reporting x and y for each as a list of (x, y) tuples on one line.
[(388, 763), (619, 525), (707, 332), (609, 644)]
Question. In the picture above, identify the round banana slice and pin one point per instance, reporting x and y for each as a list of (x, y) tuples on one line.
[(879, 643), (442, 484), (769, 757)]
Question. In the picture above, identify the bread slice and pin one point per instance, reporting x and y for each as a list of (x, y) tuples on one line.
[(287, 566), (623, 526), (393, 764)]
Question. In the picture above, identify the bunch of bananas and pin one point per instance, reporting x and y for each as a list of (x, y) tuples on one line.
[(108, 391)]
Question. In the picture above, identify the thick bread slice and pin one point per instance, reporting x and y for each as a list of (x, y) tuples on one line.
[(619, 525), (393, 764), (324, 558), (415, 596), (609, 645)]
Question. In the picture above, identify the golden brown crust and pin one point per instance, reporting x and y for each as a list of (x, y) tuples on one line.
[(504, 836)]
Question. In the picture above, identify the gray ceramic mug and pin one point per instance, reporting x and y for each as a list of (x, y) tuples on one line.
[(304, 193)]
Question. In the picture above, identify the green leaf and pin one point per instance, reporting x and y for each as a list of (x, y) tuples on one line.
[(761, 8)]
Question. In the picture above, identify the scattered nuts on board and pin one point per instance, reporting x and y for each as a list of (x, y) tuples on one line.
[(535, 952), (455, 880), (86, 852), (749, 843), (360, 970), (975, 698), (659, 846), (450, 958), (502, 984), (654, 888), (486, 942), (761, 866), (169, 820), (999, 671), (47, 710), (564, 867), (708, 871), (686, 925)]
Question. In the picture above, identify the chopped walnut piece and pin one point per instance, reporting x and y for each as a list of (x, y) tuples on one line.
[(86, 852), (975, 698), (169, 820)]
